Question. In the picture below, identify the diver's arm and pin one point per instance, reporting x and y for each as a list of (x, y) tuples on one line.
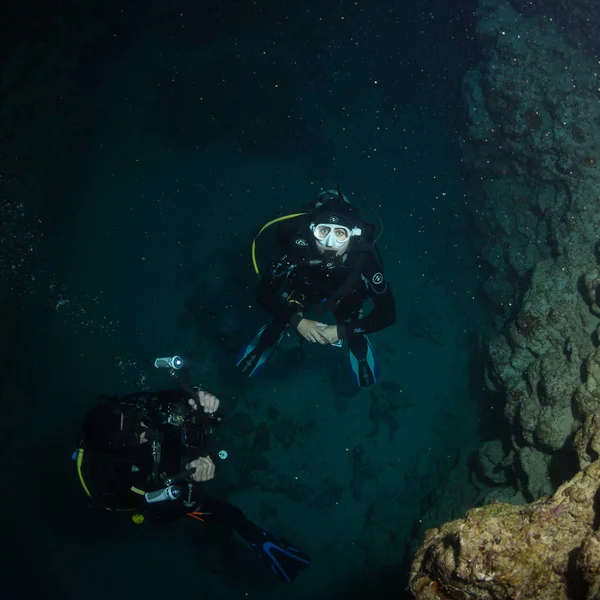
[(383, 315), (199, 470), (384, 312), (268, 297)]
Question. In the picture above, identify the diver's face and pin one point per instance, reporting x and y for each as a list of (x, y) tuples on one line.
[(331, 238)]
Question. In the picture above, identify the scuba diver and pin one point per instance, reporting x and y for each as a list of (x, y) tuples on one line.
[(329, 263), (145, 453)]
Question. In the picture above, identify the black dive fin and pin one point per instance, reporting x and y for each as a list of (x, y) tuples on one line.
[(362, 360), (255, 355)]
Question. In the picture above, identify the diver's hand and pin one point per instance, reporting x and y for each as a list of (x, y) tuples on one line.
[(330, 332), (209, 402), (143, 438), (205, 468), (311, 331)]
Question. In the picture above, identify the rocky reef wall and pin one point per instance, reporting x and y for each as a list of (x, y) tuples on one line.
[(533, 147)]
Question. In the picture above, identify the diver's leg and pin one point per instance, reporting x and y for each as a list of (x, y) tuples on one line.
[(362, 359), (360, 351), (282, 558), (253, 356)]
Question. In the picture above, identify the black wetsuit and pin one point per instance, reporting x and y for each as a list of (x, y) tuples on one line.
[(117, 470), (118, 479), (340, 284)]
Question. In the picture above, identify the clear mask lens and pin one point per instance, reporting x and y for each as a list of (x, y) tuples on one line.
[(327, 235)]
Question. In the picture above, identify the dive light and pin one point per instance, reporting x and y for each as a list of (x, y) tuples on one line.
[(169, 362)]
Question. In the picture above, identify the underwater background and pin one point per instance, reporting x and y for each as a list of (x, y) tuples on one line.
[(143, 146)]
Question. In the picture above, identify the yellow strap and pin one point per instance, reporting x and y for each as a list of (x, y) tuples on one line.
[(254, 257), (268, 224), (79, 461), (87, 491)]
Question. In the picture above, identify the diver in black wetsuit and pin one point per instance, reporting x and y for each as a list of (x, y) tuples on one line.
[(328, 264), (145, 453)]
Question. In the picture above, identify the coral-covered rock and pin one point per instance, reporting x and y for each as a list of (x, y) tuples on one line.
[(548, 549), (588, 564), (507, 495), (587, 441)]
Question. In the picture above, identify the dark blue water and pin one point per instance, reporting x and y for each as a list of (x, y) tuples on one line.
[(203, 122)]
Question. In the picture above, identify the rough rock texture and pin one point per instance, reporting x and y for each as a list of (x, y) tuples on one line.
[(533, 149), (580, 20), (587, 441), (491, 458), (532, 466), (546, 550)]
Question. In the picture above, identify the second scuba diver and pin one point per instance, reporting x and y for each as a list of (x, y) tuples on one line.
[(145, 453), (328, 263)]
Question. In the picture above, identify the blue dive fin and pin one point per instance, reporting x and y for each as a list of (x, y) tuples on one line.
[(282, 558), (363, 363), (253, 356)]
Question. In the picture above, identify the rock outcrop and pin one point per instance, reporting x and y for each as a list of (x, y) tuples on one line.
[(549, 549), (533, 146)]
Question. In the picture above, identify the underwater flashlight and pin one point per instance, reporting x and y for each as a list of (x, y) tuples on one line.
[(169, 362), (169, 493)]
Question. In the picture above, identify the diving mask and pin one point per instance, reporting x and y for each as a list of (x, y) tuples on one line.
[(333, 236)]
